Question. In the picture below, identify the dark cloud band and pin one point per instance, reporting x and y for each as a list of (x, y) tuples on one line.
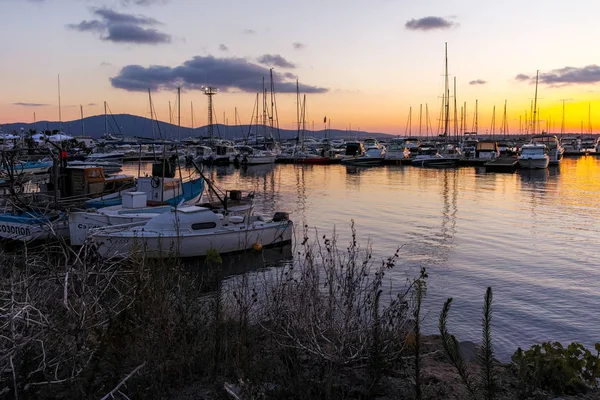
[(429, 23), (225, 73), (123, 28), (275, 60), (566, 76)]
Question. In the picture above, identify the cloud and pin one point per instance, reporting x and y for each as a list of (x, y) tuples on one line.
[(276, 60), (122, 28), (105, 64), (143, 2), (566, 76), (31, 104), (478, 82), (298, 46), (229, 74), (429, 23), (222, 47), (249, 31)]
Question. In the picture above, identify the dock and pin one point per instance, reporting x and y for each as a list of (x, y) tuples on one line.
[(502, 164)]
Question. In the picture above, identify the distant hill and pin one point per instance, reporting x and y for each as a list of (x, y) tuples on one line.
[(136, 126)]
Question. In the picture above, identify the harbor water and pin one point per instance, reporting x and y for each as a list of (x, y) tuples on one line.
[(532, 235)]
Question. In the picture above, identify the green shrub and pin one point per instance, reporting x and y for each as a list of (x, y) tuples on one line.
[(550, 366)]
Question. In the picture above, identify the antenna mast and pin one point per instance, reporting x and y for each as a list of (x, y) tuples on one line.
[(210, 92)]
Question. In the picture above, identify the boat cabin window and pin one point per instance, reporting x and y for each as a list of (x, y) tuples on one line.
[(204, 225)]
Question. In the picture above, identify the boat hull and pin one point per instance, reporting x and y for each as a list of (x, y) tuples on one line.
[(436, 163), (364, 161), (534, 163), (157, 245), (258, 160), (27, 229)]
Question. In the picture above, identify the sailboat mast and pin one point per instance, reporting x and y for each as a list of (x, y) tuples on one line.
[(537, 74), (455, 113), (410, 121), (59, 108), (447, 94), (303, 120), (562, 125), (493, 122), (427, 120), (179, 113), (589, 118), (192, 110), (106, 118), (420, 119), (82, 123), (298, 110), (464, 123), (257, 123), (272, 90), (476, 116)]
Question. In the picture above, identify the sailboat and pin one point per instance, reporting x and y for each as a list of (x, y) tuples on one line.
[(535, 154), (448, 155), (153, 195)]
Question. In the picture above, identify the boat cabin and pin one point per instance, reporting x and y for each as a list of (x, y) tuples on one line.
[(87, 180), (354, 149), (487, 149)]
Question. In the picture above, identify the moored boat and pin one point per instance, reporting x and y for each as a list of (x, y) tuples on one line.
[(534, 156), (555, 150), (192, 232), (373, 156), (27, 226)]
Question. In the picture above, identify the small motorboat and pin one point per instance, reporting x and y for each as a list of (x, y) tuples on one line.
[(192, 232), (32, 225), (373, 156), (534, 156), (109, 167), (430, 157)]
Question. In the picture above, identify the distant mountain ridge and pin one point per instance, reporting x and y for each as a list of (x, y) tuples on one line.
[(135, 126)]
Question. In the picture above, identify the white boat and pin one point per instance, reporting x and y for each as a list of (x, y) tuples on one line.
[(555, 150), (113, 155), (372, 143), (222, 155), (373, 156), (430, 157), (534, 156), (192, 232), (202, 154), (396, 150), (412, 145), (152, 196), (589, 145), (572, 145), (251, 156), (109, 167), (352, 150)]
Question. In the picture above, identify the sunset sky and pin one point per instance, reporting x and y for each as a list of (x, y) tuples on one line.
[(360, 63)]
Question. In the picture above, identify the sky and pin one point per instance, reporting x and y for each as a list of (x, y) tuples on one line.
[(363, 64)]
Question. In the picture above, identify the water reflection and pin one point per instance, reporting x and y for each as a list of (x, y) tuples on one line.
[(248, 261), (534, 175), (531, 235)]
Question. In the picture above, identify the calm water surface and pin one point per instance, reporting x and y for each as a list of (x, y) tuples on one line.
[(534, 236)]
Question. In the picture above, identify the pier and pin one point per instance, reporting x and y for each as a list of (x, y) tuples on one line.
[(502, 164)]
